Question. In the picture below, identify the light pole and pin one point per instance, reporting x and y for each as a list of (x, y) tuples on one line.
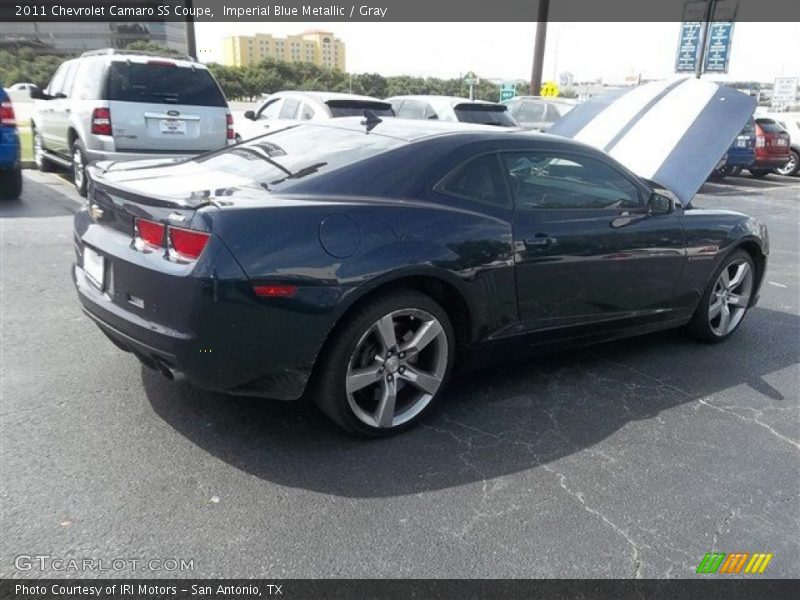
[(538, 47)]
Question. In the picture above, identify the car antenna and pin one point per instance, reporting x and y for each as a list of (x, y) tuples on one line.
[(371, 120)]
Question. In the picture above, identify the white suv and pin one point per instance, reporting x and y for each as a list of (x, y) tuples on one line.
[(122, 105)]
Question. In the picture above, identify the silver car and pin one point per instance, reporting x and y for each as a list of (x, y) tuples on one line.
[(121, 105), (452, 108), (282, 109)]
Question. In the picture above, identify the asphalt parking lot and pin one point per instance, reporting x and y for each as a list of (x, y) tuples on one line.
[(630, 459)]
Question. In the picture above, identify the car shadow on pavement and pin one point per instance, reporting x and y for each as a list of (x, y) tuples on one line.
[(492, 422), (744, 186)]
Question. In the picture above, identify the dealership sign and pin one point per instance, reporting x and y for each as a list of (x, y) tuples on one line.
[(718, 47), (688, 47), (784, 91)]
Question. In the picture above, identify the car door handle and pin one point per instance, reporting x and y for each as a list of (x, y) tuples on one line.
[(540, 241)]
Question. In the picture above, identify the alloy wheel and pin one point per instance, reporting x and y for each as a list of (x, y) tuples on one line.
[(397, 367), (730, 297), (789, 167)]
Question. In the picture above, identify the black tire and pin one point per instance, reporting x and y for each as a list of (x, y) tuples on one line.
[(791, 168), (760, 173), (718, 174), (700, 326), (735, 171), (10, 183), (328, 389), (42, 163), (79, 176)]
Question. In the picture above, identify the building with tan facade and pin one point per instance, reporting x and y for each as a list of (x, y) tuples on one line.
[(318, 47)]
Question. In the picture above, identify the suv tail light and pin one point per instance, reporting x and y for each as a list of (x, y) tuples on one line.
[(7, 116), (761, 141), (101, 121), (187, 243), (230, 135)]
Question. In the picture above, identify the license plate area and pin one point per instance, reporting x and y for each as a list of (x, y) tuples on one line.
[(94, 266), (172, 126)]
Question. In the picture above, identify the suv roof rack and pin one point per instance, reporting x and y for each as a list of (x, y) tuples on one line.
[(113, 51)]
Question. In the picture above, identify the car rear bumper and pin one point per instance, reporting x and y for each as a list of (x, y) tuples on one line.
[(207, 324), (770, 162)]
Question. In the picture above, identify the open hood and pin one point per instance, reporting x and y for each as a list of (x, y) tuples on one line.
[(671, 132)]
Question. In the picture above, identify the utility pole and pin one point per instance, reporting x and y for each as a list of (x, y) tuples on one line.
[(703, 38), (538, 47)]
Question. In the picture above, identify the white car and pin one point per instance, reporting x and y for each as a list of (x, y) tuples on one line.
[(22, 87), (282, 109), (452, 108), (538, 113)]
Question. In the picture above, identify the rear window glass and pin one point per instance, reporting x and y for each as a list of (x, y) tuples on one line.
[(163, 84), (769, 126), (355, 108), (485, 114), (749, 128), (296, 153), (530, 111)]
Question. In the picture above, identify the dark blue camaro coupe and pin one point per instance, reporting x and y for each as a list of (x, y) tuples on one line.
[(357, 262)]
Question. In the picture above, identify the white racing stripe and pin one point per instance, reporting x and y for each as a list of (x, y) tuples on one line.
[(608, 123), (648, 144)]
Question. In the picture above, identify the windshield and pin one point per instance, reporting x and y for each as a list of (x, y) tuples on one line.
[(162, 82), (770, 126), (356, 108), (279, 158), (484, 114)]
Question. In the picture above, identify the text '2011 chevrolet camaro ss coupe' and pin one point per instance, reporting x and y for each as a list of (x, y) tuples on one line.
[(355, 263)]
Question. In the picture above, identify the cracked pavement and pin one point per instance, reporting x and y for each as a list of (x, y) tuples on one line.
[(629, 459)]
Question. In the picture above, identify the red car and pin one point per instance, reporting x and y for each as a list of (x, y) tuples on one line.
[(772, 148)]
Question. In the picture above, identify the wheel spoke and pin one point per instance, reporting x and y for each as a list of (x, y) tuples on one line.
[(427, 382), (741, 272), (724, 319), (714, 309), (725, 277), (739, 300), (385, 412), (385, 328), (361, 378), (427, 332)]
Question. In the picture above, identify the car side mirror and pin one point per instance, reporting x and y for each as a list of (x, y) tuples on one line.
[(659, 204), (250, 115)]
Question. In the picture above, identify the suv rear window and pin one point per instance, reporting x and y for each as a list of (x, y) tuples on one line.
[(163, 83), (485, 114), (355, 108), (770, 126)]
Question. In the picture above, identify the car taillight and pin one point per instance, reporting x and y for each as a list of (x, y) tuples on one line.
[(275, 291), (7, 116), (229, 124), (150, 232), (187, 243), (101, 121), (761, 141)]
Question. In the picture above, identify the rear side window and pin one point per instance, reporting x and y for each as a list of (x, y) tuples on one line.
[(356, 108), (289, 109), (478, 180), (485, 114), (162, 83)]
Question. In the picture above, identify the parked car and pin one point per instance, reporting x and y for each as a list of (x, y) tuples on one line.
[(10, 167), (741, 154), (124, 105), (355, 261), (452, 108), (22, 87), (538, 113), (772, 148), (289, 108), (791, 123)]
